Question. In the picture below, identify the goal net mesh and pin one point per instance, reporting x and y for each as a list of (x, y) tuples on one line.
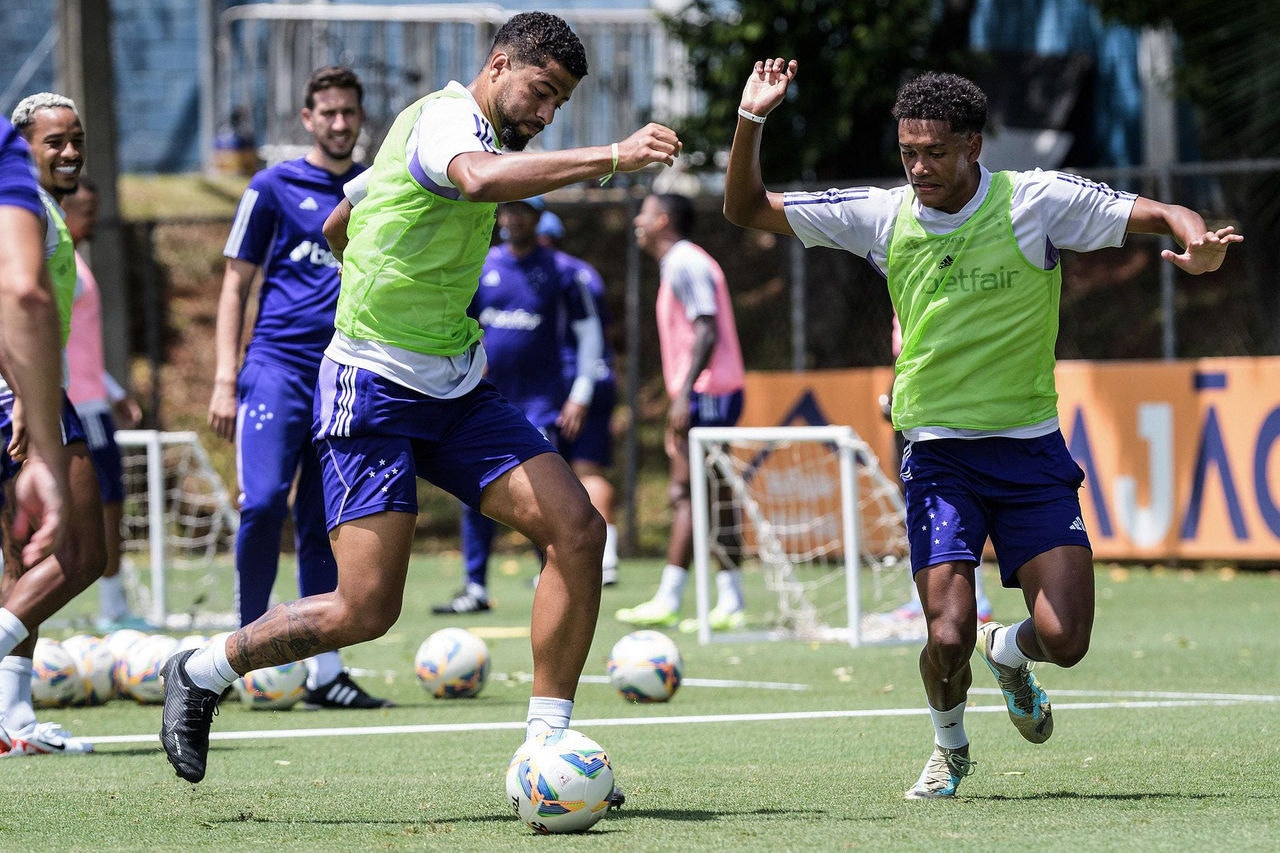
[(811, 510), (179, 520)]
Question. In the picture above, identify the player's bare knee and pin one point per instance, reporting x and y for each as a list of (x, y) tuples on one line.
[(949, 646), (1067, 650)]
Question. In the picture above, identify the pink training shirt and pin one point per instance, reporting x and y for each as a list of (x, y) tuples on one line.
[(85, 358), (692, 285)]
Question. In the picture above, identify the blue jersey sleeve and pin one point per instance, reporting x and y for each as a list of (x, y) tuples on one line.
[(254, 229), (17, 172)]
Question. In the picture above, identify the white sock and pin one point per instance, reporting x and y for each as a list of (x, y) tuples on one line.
[(112, 604), (323, 668), (610, 546), (16, 709), (948, 727), (210, 669), (1004, 646), (547, 713), (478, 591), (12, 632), (671, 587), (729, 590)]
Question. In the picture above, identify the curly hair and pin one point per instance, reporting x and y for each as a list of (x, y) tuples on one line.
[(539, 37), (943, 97)]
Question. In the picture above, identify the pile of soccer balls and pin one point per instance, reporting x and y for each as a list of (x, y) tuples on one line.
[(126, 664)]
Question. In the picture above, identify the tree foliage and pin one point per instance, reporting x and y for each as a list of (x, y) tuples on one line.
[(853, 54), (1229, 69)]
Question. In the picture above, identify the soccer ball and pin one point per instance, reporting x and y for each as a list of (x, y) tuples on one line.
[(645, 666), (96, 666), (138, 672), (118, 642), (452, 663), (560, 781), (273, 688), (55, 679)]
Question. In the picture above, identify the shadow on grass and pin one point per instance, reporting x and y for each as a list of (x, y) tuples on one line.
[(692, 816), (1076, 795)]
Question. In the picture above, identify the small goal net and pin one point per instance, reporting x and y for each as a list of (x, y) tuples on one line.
[(810, 509), (179, 519)]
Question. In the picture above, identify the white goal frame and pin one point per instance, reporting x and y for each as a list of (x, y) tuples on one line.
[(851, 449), (162, 511)]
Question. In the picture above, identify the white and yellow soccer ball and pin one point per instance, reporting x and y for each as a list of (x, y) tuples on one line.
[(55, 678), (645, 666), (138, 672), (560, 781), (118, 643), (452, 663), (96, 665), (273, 688)]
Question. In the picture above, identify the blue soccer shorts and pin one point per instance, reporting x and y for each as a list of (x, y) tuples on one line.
[(594, 442), (1022, 493), (100, 431), (375, 437)]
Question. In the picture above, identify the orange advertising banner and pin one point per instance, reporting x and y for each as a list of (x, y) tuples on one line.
[(1181, 458)]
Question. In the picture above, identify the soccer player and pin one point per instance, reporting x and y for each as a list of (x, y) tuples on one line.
[(100, 403), (402, 393), (590, 453), (530, 307), (971, 261), (29, 356), (33, 593), (265, 404), (702, 368)]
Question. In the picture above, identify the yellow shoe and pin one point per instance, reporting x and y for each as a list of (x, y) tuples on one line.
[(720, 620), (650, 614)]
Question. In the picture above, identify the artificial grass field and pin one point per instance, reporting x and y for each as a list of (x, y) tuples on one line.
[(1165, 739)]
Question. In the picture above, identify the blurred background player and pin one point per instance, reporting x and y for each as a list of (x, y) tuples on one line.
[(702, 368), (101, 403), (51, 126), (265, 405), (531, 306), (590, 454)]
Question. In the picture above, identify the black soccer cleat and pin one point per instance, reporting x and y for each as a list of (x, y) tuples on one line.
[(340, 693), (188, 716), (463, 602), (616, 799)]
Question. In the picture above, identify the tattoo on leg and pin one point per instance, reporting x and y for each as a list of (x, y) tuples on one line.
[(283, 634)]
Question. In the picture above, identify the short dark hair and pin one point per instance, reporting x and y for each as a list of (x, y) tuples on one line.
[(538, 37), (332, 77), (679, 210), (943, 97)]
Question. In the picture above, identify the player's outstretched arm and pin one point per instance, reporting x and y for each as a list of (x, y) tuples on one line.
[(746, 201), (511, 177), (1203, 250)]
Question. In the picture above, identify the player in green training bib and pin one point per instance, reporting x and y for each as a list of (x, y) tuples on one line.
[(971, 261), (402, 393)]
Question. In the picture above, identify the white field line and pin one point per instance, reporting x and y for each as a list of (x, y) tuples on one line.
[(1124, 700)]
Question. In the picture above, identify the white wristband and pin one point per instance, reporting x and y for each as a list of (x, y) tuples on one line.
[(751, 116)]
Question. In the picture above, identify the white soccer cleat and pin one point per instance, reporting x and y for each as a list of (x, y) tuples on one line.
[(45, 739)]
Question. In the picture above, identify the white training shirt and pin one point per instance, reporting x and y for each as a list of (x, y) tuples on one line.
[(1050, 210)]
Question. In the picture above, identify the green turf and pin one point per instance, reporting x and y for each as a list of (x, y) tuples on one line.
[(1115, 777)]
